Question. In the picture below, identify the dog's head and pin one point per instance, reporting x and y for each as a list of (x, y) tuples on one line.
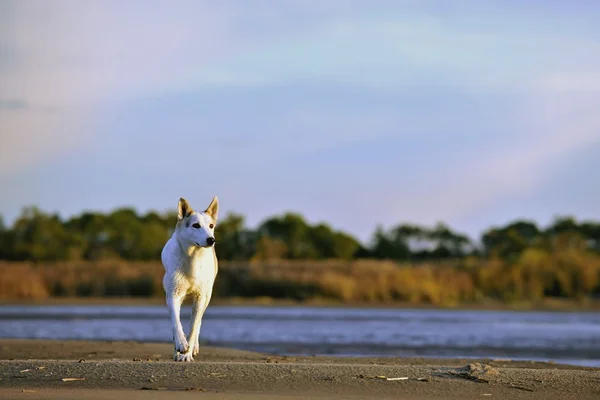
[(197, 228)]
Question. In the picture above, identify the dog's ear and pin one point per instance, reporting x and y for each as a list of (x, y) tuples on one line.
[(183, 209), (213, 209)]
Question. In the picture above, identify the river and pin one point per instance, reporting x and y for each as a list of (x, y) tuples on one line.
[(563, 337)]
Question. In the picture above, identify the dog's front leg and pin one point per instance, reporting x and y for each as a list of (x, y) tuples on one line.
[(198, 309), (200, 305), (180, 342)]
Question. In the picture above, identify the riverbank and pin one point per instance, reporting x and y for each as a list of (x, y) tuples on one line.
[(477, 283), (130, 370), (542, 305)]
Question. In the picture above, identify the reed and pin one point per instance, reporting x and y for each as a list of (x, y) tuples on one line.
[(536, 275)]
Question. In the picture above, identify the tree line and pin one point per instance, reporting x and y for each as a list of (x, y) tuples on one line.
[(127, 235)]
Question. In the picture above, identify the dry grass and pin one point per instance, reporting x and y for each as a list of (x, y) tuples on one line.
[(536, 276)]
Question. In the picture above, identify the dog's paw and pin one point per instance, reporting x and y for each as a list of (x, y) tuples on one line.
[(196, 349), (185, 357), (181, 344)]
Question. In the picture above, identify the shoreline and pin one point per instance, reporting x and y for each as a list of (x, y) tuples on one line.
[(548, 305), (131, 370)]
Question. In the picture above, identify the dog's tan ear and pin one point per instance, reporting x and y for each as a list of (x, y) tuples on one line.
[(213, 209), (183, 209)]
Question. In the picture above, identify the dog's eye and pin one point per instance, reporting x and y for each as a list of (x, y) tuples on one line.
[(196, 225), (211, 226)]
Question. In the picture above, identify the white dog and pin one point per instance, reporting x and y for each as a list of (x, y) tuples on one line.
[(191, 267)]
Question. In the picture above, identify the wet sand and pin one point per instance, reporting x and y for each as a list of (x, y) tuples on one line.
[(35, 369)]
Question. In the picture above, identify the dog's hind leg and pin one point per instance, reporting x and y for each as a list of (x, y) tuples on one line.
[(200, 304), (179, 341)]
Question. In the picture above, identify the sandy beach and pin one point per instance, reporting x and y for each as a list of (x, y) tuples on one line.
[(44, 369)]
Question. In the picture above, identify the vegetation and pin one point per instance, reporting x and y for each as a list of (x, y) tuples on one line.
[(117, 254)]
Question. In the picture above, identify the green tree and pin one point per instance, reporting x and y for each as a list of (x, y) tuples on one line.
[(292, 230), (345, 246), (3, 236), (151, 238), (591, 231), (234, 240), (38, 236), (447, 243), (390, 245), (124, 230), (92, 229), (510, 241), (566, 232), (332, 244)]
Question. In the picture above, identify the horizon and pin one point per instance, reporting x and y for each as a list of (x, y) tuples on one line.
[(474, 239), (356, 114)]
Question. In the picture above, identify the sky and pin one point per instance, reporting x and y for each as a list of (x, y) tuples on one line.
[(355, 113)]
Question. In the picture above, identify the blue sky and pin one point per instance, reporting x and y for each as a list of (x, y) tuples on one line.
[(356, 113)]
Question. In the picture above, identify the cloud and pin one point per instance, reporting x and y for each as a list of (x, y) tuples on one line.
[(556, 128), (75, 58), (343, 97), (70, 57), (67, 51), (395, 52)]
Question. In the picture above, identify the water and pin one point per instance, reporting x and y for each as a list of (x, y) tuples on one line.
[(572, 338)]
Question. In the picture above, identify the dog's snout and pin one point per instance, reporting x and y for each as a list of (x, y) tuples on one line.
[(210, 241)]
